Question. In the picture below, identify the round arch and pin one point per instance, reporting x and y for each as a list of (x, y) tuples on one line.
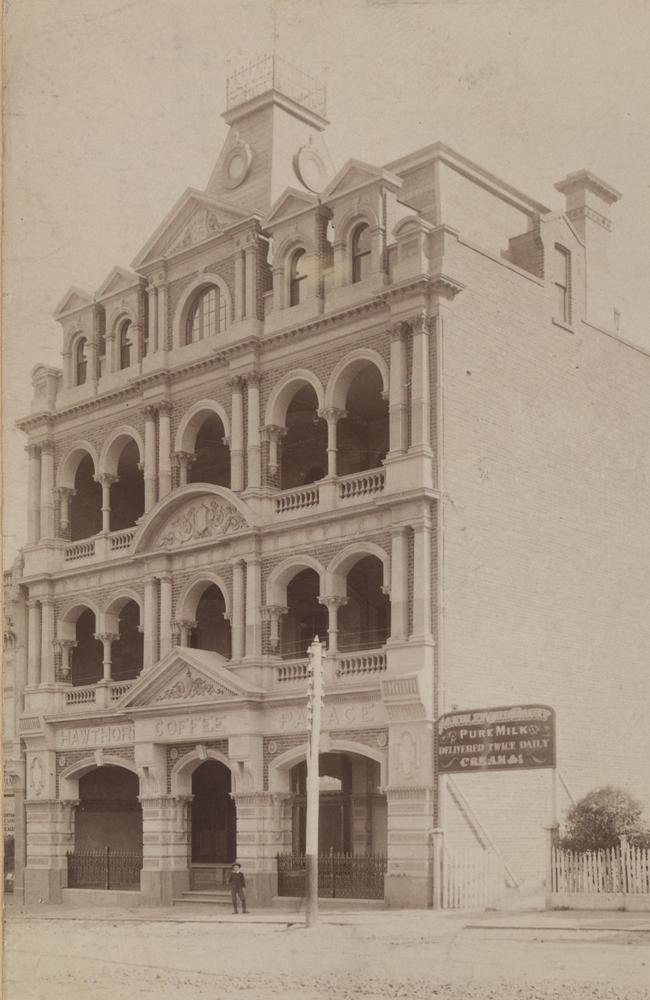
[(191, 423), (296, 241), (285, 390), (348, 367), (115, 604), (280, 768), (204, 281), (281, 576), (69, 778), (117, 316), (346, 226), (190, 597), (112, 449), (341, 564), (181, 775), (71, 615), (68, 466)]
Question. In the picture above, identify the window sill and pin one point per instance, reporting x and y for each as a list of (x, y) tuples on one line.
[(563, 326)]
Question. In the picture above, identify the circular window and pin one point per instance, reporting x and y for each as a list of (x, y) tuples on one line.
[(310, 169), (237, 164)]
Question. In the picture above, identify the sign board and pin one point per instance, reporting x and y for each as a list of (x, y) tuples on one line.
[(510, 738)]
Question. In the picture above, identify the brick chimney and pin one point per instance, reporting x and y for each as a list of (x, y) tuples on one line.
[(588, 201)]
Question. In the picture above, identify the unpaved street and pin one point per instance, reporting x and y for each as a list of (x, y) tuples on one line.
[(365, 956)]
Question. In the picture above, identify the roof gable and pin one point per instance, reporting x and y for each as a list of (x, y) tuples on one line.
[(291, 202), (184, 677), (118, 280), (356, 174), (73, 300), (193, 219)]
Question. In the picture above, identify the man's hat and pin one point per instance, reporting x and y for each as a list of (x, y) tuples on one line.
[(235, 865)]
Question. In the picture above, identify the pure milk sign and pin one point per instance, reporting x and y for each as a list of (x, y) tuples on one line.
[(511, 738)]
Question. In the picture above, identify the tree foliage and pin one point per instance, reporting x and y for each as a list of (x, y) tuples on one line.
[(601, 818)]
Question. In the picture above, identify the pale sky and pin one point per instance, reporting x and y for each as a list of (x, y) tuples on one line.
[(113, 108)]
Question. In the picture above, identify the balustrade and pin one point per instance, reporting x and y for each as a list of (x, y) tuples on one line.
[(80, 550), (297, 670), (120, 540), (298, 499), (362, 484), (359, 664), (81, 696)]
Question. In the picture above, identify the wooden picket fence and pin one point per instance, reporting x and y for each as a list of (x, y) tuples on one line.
[(466, 878), (619, 869)]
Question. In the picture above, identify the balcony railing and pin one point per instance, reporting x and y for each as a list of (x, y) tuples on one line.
[(120, 540), (296, 670), (362, 484), (81, 696), (87, 695), (119, 689), (298, 499), (79, 550), (371, 661)]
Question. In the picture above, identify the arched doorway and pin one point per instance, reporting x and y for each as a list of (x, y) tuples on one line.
[(213, 816)]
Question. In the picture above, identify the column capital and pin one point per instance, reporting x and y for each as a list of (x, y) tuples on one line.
[(165, 406), (63, 492), (46, 601), (106, 637), (253, 377), (332, 414), (47, 447), (273, 612), (105, 478), (332, 601), (398, 331), (185, 457), (236, 383), (421, 323), (149, 411), (275, 431), (33, 603), (238, 561), (33, 450)]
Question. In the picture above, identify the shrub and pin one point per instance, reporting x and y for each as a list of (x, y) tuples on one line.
[(601, 818)]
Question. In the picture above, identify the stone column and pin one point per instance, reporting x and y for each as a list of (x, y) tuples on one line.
[(420, 384), (64, 494), (150, 625), (422, 589), (273, 614), (275, 433), (253, 602), (399, 588), (185, 628), (259, 838), (398, 392), (184, 459), (162, 317), (34, 643), (47, 489), (107, 639), (149, 457), (238, 609), (254, 451), (164, 449), (50, 834), (333, 604), (332, 415), (165, 872), (66, 646), (251, 269), (342, 267), (47, 640), (165, 614), (106, 480), (152, 293), (239, 286), (34, 493), (237, 435)]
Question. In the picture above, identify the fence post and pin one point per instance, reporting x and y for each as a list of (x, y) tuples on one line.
[(332, 873), (551, 841), (438, 837), (624, 851), (107, 878)]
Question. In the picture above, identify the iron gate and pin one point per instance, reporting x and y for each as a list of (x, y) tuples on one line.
[(340, 876), (104, 868)]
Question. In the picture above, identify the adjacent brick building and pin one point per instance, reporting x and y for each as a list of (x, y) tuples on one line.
[(384, 404)]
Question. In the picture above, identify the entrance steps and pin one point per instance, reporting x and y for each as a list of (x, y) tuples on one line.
[(214, 897)]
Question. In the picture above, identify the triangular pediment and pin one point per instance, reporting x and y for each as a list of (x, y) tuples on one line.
[(119, 280), (356, 174), (73, 300), (187, 677), (291, 202), (193, 219)]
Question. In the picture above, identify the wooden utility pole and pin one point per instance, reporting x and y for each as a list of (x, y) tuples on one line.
[(314, 704)]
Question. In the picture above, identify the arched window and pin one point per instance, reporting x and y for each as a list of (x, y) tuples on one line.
[(298, 278), (81, 362), (361, 253), (125, 344), (207, 316)]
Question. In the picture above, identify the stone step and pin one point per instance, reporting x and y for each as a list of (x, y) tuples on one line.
[(214, 898)]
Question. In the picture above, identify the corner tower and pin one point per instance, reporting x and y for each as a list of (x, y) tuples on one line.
[(276, 115)]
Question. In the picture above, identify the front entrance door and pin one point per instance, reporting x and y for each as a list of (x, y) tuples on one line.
[(214, 826)]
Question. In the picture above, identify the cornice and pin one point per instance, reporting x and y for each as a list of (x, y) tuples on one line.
[(434, 284)]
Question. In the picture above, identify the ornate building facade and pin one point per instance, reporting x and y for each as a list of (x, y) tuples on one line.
[(366, 404)]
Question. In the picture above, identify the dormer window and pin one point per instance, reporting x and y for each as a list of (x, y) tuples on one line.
[(298, 278), (361, 253), (125, 344), (81, 362), (207, 315)]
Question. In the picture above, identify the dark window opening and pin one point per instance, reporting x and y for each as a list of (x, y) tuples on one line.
[(109, 813), (125, 344), (298, 278), (361, 253), (86, 502), (127, 649), (362, 437), (127, 492), (303, 450), (212, 630), (364, 622), (212, 462), (207, 315), (86, 665), (306, 618), (81, 361), (213, 815)]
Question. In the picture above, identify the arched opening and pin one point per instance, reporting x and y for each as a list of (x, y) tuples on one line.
[(213, 815), (212, 456), (304, 446), (85, 502), (352, 812), (81, 361), (362, 437), (364, 622), (125, 343), (86, 665), (207, 315), (127, 492), (127, 649), (298, 278), (109, 814), (305, 617), (212, 631), (361, 253)]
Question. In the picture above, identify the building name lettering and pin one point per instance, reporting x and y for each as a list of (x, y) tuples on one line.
[(334, 717), (96, 736), (188, 725)]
